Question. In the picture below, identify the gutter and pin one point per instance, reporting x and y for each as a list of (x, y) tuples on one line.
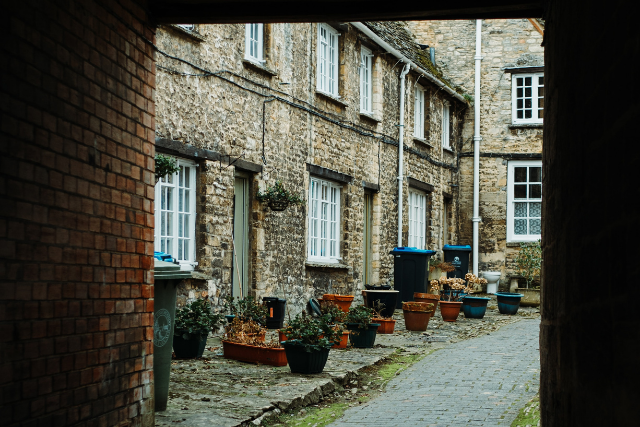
[(476, 147), (373, 36), (403, 75)]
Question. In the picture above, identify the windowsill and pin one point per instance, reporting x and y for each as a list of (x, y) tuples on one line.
[(516, 244), (369, 117), (448, 150), (258, 67), (321, 264), (189, 33), (332, 98), (526, 126), (422, 141)]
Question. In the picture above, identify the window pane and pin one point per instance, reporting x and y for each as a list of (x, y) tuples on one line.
[(520, 226), (527, 81), (520, 210), (535, 191), (535, 174), (520, 191), (520, 174), (535, 209), (535, 226)]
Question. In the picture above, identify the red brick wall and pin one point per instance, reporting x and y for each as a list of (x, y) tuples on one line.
[(76, 213)]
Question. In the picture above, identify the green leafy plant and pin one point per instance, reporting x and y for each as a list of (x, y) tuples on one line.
[(313, 333), (361, 315), (335, 313), (246, 309), (529, 261), (196, 319), (165, 165), (278, 194)]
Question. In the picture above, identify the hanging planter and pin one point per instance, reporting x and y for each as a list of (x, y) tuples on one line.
[(279, 198)]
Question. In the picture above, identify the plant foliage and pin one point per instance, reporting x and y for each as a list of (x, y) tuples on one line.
[(361, 315), (165, 165), (277, 193), (313, 333), (246, 309), (196, 319), (529, 260)]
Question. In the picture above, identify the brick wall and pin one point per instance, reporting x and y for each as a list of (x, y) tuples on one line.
[(76, 197)]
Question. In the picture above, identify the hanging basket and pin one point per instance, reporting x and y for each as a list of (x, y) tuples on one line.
[(278, 205)]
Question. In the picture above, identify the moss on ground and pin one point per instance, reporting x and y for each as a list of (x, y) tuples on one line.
[(529, 415), (370, 383)]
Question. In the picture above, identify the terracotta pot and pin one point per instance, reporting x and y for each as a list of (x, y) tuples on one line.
[(386, 325), (416, 320), (281, 336), (450, 310), (422, 297), (343, 341), (328, 297), (343, 301), (418, 306), (253, 354)]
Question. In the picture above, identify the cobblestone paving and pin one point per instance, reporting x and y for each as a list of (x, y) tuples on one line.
[(478, 382)]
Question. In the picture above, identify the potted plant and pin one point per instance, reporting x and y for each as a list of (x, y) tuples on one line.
[(417, 315), (193, 323), (382, 294), (245, 308), (437, 268), (244, 341), (336, 317), (529, 264), (309, 340), (362, 332), (279, 198), (451, 291), (387, 323), (474, 307)]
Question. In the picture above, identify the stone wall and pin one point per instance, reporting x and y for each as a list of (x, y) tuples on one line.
[(212, 99), (76, 223), (505, 43)]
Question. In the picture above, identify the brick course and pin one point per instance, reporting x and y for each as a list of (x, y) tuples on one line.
[(77, 146)]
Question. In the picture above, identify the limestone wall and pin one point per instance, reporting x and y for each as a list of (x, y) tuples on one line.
[(213, 100), (505, 43)]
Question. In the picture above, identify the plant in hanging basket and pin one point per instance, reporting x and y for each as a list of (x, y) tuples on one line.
[(279, 198)]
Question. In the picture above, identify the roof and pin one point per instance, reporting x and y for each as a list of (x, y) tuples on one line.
[(398, 35)]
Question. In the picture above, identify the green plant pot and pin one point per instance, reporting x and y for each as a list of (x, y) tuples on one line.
[(362, 338), (189, 349), (305, 362)]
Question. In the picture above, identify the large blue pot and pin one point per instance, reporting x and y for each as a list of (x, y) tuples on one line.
[(474, 307), (508, 302), (362, 338)]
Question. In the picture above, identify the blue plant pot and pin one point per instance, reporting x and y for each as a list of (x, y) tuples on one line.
[(362, 338), (508, 302), (474, 307)]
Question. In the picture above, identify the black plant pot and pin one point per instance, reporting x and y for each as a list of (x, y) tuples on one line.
[(304, 362), (362, 338), (191, 348)]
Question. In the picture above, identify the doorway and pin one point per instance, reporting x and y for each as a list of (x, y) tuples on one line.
[(240, 262), (367, 256)]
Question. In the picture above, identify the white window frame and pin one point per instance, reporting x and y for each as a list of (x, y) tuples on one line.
[(366, 81), (417, 219), (167, 236), (188, 27), (328, 54), (536, 98), (418, 115), (254, 43), (511, 201), (446, 116), (323, 237)]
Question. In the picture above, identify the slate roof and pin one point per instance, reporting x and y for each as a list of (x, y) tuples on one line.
[(398, 35)]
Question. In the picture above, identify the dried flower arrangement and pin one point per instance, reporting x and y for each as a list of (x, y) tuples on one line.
[(451, 288), (445, 267), (475, 280), (248, 331)]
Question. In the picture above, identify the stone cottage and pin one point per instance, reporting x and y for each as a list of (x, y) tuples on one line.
[(324, 108), (511, 119)]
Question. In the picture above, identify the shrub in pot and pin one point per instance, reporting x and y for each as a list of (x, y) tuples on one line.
[(336, 317), (452, 291), (245, 309), (387, 323), (474, 307), (309, 340), (244, 340), (529, 263), (362, 332), (193, 323)]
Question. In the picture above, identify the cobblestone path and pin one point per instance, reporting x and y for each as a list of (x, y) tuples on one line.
[(483, 381)]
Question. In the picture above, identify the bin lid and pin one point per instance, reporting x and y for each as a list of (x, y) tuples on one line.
[(466, 248), (163, 270), (163, 256), (409, 249)]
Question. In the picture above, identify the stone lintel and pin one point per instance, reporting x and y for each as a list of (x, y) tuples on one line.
[(329, 174), (177, 148), (420, 185), (371, 186)]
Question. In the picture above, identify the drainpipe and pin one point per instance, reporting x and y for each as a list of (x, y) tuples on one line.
[(403, 75), (476, 147)]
